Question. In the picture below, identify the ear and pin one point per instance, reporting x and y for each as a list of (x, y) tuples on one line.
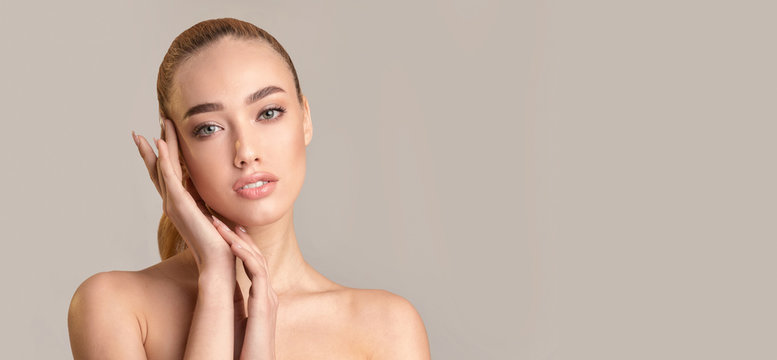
[(307, 124)]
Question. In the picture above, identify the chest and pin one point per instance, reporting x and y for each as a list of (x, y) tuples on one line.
[(305, 329)]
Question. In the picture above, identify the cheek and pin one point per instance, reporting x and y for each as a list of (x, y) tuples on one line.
[(297, 160), (286, 157), (201, 165), (291, 148)]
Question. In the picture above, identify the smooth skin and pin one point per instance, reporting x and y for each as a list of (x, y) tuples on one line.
[(242, 288)]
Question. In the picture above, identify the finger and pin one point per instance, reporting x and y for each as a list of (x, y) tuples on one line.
[(254, 268), (149, 158), (243, 235), (223, 230), (160, 177), (167, 171), (254, 262), (171, 138)]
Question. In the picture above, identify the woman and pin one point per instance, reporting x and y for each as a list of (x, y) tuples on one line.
[(232, 281)]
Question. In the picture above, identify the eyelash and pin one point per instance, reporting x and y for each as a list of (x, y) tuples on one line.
[(280, 109)]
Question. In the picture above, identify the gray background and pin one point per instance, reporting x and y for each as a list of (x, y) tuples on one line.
[(541, 179)]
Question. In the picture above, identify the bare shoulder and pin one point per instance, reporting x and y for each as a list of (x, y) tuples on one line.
[(108, 311), (102, 318), (392, 324)]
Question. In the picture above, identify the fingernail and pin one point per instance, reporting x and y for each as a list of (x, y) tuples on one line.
[(241, 229), (135, 138)]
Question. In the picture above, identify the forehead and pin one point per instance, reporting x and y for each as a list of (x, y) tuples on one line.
[(226, 72)]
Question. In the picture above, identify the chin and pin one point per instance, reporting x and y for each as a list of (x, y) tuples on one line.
[(250, 213)]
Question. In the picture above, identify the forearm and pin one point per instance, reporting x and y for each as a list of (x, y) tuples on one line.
[(211, 334)]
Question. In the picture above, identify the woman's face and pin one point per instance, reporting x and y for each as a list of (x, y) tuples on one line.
[(244, 130)]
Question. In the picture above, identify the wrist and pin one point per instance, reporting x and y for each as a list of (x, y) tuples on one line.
[(216, 280)]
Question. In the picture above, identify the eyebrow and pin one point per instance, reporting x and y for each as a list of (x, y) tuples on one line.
[(250, 99)]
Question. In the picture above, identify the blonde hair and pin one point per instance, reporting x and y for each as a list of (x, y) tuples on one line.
[(185, 45)]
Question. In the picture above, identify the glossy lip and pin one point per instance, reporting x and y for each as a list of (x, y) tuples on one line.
[(263, 176), (259, 192)]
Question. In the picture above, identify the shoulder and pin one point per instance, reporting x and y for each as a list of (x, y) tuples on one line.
[(110, 311), (103, 319), (104, 294), (392, 325)]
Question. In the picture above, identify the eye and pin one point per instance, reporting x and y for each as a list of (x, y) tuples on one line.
[(271, 113), (206, 130)]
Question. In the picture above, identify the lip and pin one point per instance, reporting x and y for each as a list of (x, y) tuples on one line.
[(263, 176), (258, 192)]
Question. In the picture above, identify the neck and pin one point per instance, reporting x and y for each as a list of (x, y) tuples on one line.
[(278, 244), (288, 270)]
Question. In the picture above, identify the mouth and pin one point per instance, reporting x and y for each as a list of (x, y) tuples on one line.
[(254, 185), (254, 181)]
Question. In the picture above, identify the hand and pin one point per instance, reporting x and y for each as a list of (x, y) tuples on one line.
[(189, 216), (258, 325)]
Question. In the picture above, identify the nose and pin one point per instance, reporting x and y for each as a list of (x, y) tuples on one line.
[(245, 154)]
